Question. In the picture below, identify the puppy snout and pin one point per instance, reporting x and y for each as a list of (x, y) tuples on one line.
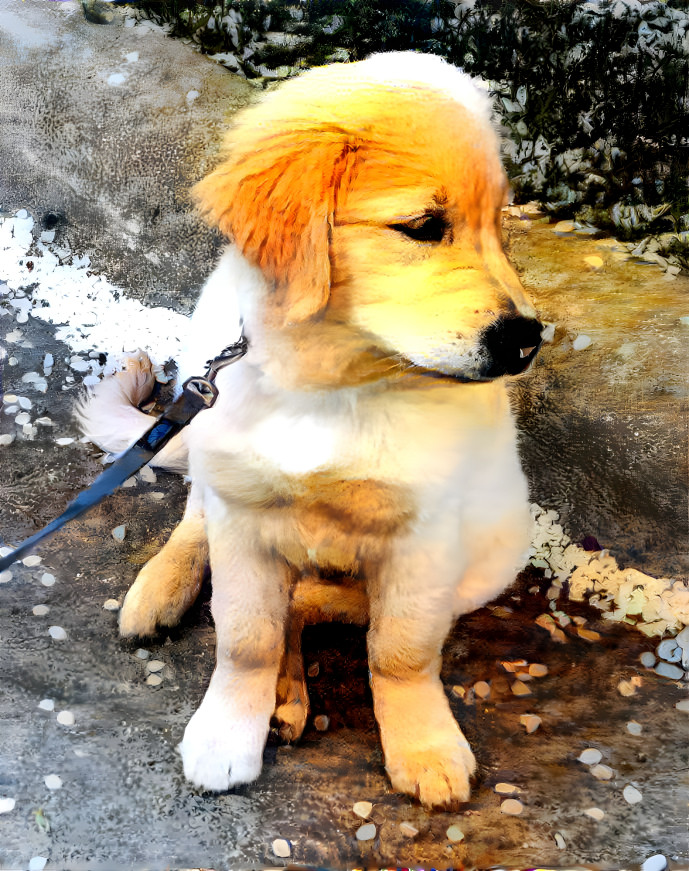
[(511, 344)]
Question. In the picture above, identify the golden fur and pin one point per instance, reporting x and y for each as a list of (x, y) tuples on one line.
[(360, 463)]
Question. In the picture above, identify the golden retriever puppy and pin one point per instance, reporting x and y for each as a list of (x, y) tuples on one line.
[(360, 463)]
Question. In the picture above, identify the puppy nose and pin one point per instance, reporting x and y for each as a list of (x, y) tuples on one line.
[(511, 343)]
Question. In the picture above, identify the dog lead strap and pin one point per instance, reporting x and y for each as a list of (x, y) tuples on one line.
[(197, 394)]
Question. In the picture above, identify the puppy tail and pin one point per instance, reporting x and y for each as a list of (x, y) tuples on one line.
[(109, 415)]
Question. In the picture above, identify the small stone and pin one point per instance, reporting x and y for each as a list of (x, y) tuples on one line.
[(154, 680), (37, 863), (31, 561), (313, 669), (282, 848), (363, 809), (683, 705), (142, 654), (111, 605), (366, 832), (118, 532), (654, 863), (40, 610), (64, 440), (6, 439), (626, 688), (665, 669), (57, 633), (602, 772), (47, 579), (5, 577), (147, 474), (454, 833), (408, 829), (482, 689), (633, 727), (519, 688), (458, 692), (155, 665), (130, 482), (156, 495), (538, 670), (511, 806), (647, 659), (506, 789), (7, 805), (560, 841), (581, 342), (53, 781), (321, 722), (594, 262), (669, 650), (530, 722), (631, 795), (22, 418), (590, 756), (588, 634), (66, 718), (514, 666), (46, 705), (595, 813)]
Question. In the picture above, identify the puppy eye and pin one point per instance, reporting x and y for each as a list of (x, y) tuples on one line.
[(429, 228)]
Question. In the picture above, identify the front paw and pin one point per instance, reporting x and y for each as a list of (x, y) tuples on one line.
[(436, 776), (220, 751)]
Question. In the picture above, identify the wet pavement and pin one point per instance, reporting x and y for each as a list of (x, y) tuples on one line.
[(604, 442)]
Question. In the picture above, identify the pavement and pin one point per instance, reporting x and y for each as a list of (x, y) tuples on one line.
[(106, 163)]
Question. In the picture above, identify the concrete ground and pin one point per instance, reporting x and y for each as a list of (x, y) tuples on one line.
[(604, 436)]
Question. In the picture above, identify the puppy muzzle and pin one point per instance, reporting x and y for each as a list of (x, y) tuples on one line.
[(510, 344)]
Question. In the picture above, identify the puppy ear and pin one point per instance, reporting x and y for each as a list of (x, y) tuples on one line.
[(274, 196)]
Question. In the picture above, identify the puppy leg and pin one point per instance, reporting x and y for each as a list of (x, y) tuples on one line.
[(170, 582), (224, 740), (292, 707), (426, 754)]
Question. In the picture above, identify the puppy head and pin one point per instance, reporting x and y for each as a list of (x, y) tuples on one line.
[(369, 195)]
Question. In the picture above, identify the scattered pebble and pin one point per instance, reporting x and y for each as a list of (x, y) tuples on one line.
[(408, 829), (514, 666), (366, 832), (7, 805), (53, 781), (321, 722), (519, 688), (5, 576), (111, 605), (22, 418), (118, 532), (66, 718), (506, 789), (626, 688), (595, 813), (40, 610), (536, 669), (669, 650), (47, 579), (130, 482), (155, 665), (142, 654), (44, 421), (631, 795), (590, 756), (666, 669), (454, 833), (588, 634), (563, 227), (654, 863), (282, 848), (154, 680), (6, 439), (57, 633), (581, 342), (46, 705), (683, 705), (482, 689), (647, 659), (37, 863), (31, 561), (602, 772), (64, 440), (362, 809), (560, 841), (530, 722), (633, 727), (313, 669), (157, 496), (594, 262), (511, 806), (147, 474)]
